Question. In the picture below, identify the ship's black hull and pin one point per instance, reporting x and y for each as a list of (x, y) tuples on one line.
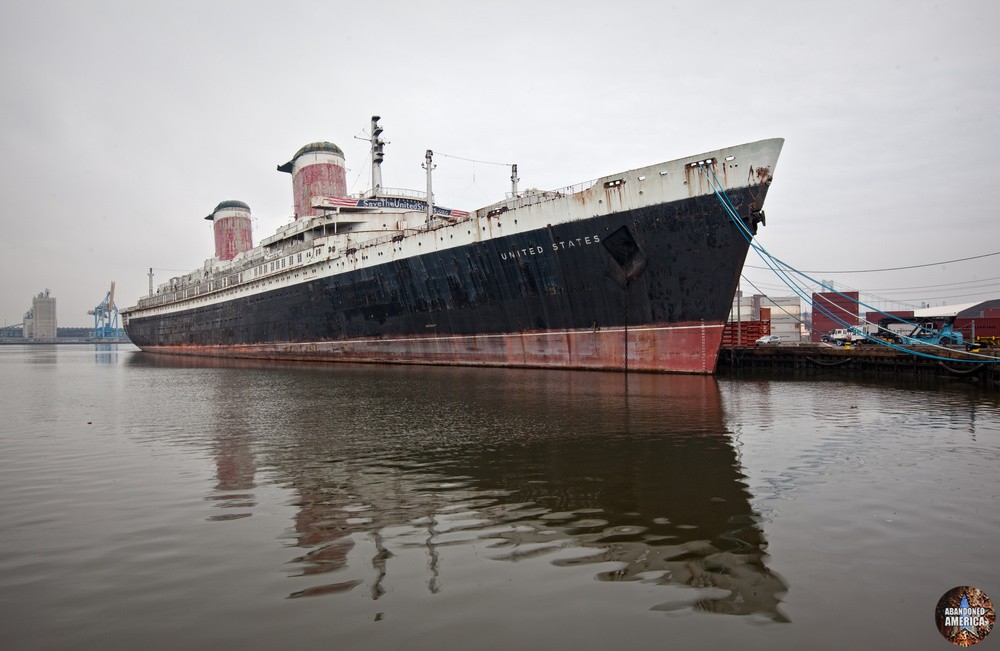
[(663, 268)]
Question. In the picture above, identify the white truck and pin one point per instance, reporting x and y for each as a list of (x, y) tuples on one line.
[(843, 336)]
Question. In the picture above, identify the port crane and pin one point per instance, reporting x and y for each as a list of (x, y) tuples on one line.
[(106, 317)]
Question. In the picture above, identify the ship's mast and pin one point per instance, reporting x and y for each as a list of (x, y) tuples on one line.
[(378, 155), (513, 180), (429, 166), (150, 281)]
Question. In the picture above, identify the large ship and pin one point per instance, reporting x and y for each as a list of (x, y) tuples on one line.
[(632, 271)]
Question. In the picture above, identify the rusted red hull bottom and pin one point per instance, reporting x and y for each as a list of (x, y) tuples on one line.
[(674, 348)]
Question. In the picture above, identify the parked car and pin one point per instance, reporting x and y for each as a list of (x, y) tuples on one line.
[(767, 339)]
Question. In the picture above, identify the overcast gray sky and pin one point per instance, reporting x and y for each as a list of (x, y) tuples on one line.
[(122, 124)]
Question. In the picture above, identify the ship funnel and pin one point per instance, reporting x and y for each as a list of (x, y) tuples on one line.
[(317, 171), (233, 232)]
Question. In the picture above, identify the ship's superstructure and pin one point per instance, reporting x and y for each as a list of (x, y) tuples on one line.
[(635, 270)]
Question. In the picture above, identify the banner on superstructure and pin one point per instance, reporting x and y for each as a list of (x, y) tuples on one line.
[(394, 203)]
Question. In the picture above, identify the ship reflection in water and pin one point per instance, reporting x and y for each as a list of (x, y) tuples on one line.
[(399, 472)]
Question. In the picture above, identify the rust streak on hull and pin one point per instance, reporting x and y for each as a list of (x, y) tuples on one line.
[(674, 348)]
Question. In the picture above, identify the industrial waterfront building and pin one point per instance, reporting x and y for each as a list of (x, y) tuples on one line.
[(784, 313), (40, 320)]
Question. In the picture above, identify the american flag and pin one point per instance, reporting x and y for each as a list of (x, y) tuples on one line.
[(459, 213), (334, 202)]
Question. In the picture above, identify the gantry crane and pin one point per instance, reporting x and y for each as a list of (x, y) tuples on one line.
[(106, 317)]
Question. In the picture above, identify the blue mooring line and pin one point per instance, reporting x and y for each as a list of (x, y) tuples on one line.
[(781, 269)]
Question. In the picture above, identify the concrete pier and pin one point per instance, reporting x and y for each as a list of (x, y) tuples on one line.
[(821, 359)]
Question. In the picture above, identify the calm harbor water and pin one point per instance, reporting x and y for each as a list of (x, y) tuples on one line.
[(161, 503)]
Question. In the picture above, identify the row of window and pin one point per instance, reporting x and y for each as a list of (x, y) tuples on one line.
[(282, 263)]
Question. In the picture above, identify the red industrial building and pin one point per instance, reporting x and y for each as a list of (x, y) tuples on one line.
[(832, 310), (981, 322)]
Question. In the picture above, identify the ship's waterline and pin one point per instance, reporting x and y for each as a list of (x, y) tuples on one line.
[(686, 348)]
